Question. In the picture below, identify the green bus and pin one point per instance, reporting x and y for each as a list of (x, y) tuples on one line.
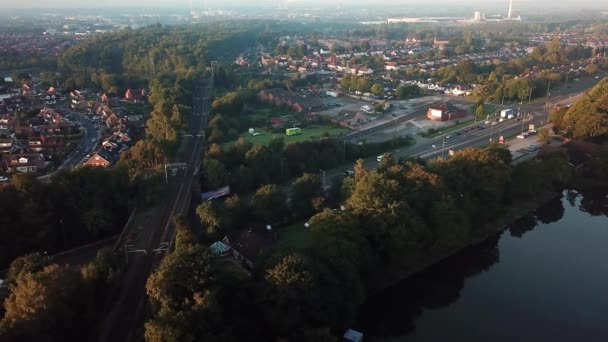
[(293, 131)]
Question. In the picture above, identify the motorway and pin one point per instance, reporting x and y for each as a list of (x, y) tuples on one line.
[(125, 320), (479, 137)]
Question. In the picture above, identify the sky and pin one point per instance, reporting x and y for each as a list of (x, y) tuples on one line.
[(222, 3)]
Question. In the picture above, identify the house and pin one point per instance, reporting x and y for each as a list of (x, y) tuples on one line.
[(6, 145), (135, 94), (392, 66), (364, 71), (98, 159), (351, 119), (34, 144), (439, 41), (24, 163), (445, 112)]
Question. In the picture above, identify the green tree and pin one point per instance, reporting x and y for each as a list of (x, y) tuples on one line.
[(406, 91), (41, 304), (592, 69), (268, 204), (211, 216), (185, 299), (30, 263), (377, 89), (480, 112), (184, 237), (289, 294), (543, 135), (214, 173), (303, 191)]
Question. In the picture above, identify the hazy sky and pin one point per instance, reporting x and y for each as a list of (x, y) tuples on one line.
[(219, 3)]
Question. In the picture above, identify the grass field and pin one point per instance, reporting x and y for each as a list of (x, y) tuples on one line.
[(294, 236), (308, 133), (449, 129)]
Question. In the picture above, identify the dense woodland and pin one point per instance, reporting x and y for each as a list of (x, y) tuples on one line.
[(73, 209), (588, 118), (395, 218)]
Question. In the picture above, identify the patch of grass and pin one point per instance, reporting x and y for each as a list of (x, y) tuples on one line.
[(449, 129), (308, 133), (142, 108), (294, 236)]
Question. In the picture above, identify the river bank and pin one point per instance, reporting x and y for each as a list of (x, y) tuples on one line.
[(385, 278), (545, 275)]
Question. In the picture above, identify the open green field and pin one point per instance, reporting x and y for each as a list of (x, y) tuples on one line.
[(308, 133), (449, 129), (294, 236)]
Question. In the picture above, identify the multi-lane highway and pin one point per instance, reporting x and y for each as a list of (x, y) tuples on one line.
[(126, 318), (481, 134)]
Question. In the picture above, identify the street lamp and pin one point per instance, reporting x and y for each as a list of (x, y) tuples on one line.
[(442, 147), (323, 173)]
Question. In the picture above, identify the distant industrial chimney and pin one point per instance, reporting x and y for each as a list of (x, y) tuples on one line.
[(510, 8)]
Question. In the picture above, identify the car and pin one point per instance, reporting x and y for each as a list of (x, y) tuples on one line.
[(348, 173), (88, 155), (487, 122), (458, 133), (448, 136), (3, 179), (494, 123), (379, 158), (394, 115), (501, 119), (93, 140), (434, 146)]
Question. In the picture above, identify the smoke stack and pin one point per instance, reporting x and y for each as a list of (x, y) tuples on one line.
[(510, 8)]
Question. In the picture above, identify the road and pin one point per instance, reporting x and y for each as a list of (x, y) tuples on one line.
[(126, 318), (477, 137), (84, 146)]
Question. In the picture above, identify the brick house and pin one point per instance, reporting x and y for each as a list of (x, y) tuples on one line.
[(24, 163), (445, 112)]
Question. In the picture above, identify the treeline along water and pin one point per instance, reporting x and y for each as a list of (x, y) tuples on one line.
[(543, 279)]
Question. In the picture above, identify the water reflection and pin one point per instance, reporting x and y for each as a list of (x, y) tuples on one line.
[(391, 313), (594, 203), (523, 225), (551, 212)]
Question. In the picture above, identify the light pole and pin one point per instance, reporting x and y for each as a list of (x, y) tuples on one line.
[(442, 147), (323, 173)]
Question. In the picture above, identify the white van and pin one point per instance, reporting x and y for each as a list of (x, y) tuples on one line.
[(379, 158)]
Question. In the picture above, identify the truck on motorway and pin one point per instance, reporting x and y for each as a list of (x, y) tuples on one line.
[(506, 112)]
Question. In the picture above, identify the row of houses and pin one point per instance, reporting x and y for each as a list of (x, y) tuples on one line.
[(110, 150)]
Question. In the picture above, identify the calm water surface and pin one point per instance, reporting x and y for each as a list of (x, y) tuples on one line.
[(544, 279)]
